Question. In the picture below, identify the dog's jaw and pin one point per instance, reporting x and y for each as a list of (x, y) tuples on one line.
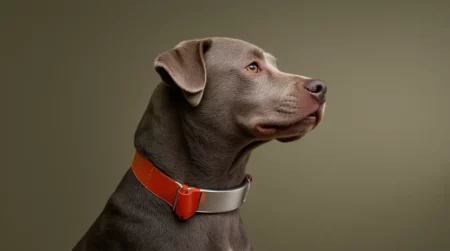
[(289, 131)]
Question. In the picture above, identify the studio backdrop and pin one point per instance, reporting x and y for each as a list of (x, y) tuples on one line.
[(375, 174)]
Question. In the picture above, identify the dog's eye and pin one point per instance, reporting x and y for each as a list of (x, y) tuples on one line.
[(253, 67)]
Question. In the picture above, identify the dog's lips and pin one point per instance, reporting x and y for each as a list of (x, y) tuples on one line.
[(319, 113), (289, 139)]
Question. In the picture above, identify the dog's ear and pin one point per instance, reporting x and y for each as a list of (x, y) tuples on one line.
[(184, 66)]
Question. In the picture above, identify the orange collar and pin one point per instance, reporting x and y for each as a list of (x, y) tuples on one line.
[(184, 200)]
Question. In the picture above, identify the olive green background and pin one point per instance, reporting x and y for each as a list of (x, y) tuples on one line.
[(375, 175)]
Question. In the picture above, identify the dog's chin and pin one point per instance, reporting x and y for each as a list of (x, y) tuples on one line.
[(299, 132), (287, 133)]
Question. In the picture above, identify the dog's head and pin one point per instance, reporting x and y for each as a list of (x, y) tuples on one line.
[(235, 87)]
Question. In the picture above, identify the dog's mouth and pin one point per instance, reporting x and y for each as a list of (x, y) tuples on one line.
[(314, 116), (296, 129)]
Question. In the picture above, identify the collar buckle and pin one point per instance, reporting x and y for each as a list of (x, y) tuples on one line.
[(186, 201)]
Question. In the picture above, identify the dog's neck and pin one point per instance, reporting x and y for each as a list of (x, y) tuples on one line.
[(185, 150)]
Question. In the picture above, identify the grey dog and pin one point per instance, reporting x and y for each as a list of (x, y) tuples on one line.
[(218, 100)]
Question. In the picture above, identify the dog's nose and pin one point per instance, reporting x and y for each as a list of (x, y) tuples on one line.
[(317, 89)]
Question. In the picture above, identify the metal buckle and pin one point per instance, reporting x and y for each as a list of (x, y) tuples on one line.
[(217, 201), (249, 183)]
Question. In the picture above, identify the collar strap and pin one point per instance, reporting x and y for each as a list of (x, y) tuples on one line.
[(184, 200)]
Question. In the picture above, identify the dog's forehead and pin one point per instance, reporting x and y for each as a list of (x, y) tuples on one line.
[(232, 48), (235, 50), (231, 45)]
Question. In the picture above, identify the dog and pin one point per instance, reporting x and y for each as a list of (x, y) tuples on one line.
[(218, 99)]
